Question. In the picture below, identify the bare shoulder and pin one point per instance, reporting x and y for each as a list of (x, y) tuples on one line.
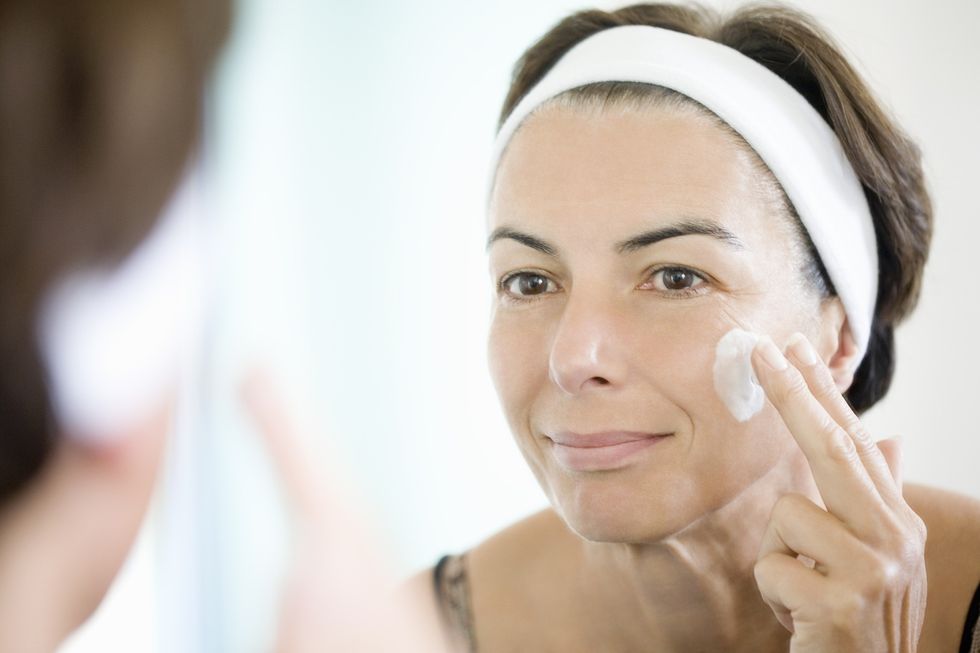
[(523, 545), (952, 560), (953, 522), (504, 575), (518, 578), (530, 550)]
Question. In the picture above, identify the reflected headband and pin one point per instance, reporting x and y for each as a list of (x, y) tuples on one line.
[(115, 341), (786, 132)]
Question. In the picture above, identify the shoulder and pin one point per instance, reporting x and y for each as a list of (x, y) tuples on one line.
[(953, 523), (523, 565), (952, 560), (518, 580), (525, 544), (495, 577)]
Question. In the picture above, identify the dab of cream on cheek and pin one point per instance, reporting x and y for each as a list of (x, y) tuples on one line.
[(735, 380)]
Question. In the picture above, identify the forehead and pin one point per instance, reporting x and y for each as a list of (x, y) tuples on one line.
[(603, 173)]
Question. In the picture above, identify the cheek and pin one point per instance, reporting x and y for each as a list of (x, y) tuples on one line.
[(517, 354), (675, 354), (677, 358)]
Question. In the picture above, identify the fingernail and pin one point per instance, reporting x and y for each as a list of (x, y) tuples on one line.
[(802, 349), (771, 354)]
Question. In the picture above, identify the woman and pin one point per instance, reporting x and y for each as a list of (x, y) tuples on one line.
[(680, 200)]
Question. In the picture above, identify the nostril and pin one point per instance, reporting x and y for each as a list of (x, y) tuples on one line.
[(598, 380)]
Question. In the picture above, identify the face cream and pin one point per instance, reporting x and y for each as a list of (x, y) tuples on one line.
[(735, 380)]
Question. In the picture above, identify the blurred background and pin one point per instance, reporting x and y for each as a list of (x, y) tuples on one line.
[(344, 179)]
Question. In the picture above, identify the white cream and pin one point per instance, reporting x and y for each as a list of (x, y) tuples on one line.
[(735, 380)]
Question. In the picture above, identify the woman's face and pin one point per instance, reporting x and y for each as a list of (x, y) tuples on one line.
[(624, 245)]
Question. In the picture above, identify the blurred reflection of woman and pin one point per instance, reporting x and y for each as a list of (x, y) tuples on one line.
[(100, 110)]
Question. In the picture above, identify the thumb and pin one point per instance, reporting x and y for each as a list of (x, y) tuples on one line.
[(891, 449)]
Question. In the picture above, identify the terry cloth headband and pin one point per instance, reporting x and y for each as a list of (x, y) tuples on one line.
[(787, 133), (114, 341)]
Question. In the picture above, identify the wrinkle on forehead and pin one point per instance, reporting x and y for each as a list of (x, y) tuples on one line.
[(564, 161), (572, 157)]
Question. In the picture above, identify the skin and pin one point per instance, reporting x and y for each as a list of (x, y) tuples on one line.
[(65, 536), (95, 499), (693, 544)]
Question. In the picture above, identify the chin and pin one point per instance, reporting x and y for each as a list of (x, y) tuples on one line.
[(606, 509)]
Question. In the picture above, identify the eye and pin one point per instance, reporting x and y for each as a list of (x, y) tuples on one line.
[(527, 284), (675, 280)]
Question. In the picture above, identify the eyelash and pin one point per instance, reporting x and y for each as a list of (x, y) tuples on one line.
[(669, 294)]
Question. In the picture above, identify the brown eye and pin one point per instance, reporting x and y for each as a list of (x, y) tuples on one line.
[(528, 284), (676, 279)]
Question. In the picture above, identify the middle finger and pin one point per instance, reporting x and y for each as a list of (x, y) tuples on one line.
[(821, 383), (844, 483)]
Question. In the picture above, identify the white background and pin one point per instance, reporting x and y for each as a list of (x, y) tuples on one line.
[(348, 167)]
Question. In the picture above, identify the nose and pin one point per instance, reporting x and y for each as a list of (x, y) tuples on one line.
[(589, 350)]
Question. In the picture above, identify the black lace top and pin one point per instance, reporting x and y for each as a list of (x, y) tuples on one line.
[(453, 594)]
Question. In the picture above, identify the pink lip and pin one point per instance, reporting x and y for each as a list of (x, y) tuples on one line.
[(589, 452)]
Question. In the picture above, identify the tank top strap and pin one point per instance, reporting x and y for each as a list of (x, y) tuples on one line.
[(971, 630), (453, 596)]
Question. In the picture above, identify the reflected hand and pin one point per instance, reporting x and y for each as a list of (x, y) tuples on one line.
[(339, 595), (866, 588), (64, 537)]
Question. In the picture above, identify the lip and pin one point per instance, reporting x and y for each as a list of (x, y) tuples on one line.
[(591, 452)]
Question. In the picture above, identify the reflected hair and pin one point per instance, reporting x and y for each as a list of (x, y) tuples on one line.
[(101, 105)]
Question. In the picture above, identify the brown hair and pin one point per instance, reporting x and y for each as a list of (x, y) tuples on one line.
[(793, 46), (100, 107)]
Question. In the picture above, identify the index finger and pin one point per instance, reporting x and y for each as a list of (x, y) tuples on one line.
[(845, 485), (288, 450), (821, 383)]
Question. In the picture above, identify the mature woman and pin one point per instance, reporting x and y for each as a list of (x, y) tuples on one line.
[(702, 232)]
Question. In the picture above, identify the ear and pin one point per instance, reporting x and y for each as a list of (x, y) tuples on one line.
[(835, 343)]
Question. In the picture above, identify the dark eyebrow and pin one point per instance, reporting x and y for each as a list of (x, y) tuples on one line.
[(523, 238), (684, 228)]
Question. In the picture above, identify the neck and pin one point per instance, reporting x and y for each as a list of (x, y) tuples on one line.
[(695, 590)]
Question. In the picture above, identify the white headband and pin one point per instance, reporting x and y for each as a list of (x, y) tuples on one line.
[(777, 122), (114, 340)]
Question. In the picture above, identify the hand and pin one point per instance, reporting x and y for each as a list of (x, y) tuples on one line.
[(339, 594), (64, 537), (850, 577)]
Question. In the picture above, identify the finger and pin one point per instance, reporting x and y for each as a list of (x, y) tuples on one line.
[(797, 526), (891, 449), (320, 495), (841, 477), (291, 453), (335, 594), (821, 383), (787, 585)]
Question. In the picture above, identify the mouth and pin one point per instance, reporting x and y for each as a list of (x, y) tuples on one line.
[(608, 450)]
